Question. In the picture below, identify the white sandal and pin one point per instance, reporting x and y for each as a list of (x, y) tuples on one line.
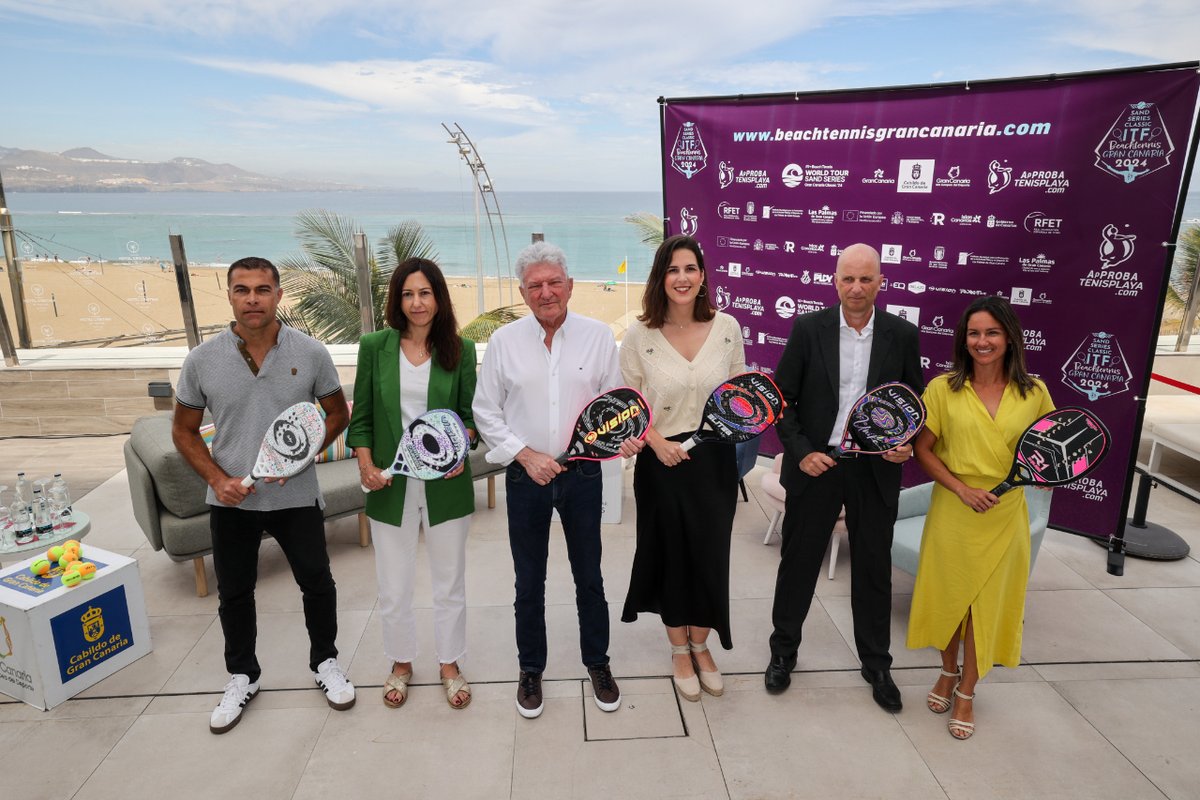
[(710, 682), (689, 688), (935, 702), (957, 726)]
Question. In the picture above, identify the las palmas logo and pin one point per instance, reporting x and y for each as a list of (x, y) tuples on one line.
[(93, 624)]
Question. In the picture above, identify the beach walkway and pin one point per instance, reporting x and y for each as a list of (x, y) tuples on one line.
[(1105, 706)]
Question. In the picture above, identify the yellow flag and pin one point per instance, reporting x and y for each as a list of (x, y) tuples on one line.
[(621, 269)]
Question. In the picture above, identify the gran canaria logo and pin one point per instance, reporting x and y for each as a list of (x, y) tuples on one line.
[(93, 624)]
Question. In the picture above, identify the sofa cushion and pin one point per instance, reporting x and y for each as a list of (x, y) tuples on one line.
[(340, 487), (179, 488)]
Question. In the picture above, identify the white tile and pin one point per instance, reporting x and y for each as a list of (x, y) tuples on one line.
[(1074, 625)]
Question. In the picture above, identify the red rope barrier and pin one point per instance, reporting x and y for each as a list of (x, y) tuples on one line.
[(1187, 387)]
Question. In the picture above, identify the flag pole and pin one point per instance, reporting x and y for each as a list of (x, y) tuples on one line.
[(626, 263)]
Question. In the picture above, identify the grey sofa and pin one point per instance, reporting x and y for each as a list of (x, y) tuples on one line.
[(168, 496), (910, 524)]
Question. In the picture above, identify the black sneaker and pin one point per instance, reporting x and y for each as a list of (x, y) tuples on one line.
[(529, 695), (608, 696)]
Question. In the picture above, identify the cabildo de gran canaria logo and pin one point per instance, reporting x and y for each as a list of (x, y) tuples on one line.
[(93, 624)]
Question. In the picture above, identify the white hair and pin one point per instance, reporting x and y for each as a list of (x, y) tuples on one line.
[(539, 253)]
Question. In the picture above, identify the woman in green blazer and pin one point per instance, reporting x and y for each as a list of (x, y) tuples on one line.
[(418, 363)]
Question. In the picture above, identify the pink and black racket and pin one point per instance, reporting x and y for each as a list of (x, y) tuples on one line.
[(433, 445), (886, 417), (291, 443), (1057, 449), (738, 410), (605, 423)]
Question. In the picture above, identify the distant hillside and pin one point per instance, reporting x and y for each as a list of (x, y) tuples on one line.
[(86, 170)]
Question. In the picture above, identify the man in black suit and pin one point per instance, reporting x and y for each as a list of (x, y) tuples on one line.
[(832, 357)]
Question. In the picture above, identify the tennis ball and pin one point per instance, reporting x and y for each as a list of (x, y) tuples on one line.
[(40, 567), (54, 553), (67, 558), (71, 578), (86, 569), (69, 543), (72, 565)]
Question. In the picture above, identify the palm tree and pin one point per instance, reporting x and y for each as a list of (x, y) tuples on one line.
[(1183, 271), (324, 278), (649, 225)]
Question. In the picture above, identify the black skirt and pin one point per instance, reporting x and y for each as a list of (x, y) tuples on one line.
[(684, 523)]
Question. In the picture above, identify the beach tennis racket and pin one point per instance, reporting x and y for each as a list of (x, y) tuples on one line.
[(886, 417), (291, 443), (433, 445), (1058, 448), (738, 410), (605, 423)]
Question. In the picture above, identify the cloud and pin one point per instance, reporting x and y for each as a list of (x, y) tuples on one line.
[(1157, 30)]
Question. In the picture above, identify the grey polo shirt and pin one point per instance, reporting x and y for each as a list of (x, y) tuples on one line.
[(218, 375)]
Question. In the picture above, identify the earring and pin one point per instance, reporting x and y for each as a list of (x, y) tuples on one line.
[(703, 290)]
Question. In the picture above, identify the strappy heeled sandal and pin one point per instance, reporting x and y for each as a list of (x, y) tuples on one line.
[(455, 685), (689, 688), (958, 729), (935, 702), (396, 683), (710, 682)]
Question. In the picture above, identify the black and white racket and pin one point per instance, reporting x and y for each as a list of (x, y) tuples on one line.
[(738, 410), (886, 417), (605, 423), (1057, 449), (433, 445), (291, 443)]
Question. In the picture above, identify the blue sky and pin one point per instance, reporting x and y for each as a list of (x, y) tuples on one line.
[(557, 95)]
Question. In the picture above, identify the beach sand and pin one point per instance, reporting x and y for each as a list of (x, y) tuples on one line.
[(89, 305)]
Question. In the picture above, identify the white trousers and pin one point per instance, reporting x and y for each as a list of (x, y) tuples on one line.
[(395, 570)]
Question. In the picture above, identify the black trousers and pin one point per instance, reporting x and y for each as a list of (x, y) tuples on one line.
[(808, 521), (236, 535)]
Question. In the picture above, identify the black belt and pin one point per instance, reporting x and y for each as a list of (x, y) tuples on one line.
[(829, 453)]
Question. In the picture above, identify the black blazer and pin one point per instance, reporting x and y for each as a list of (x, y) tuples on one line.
[(808, 376)]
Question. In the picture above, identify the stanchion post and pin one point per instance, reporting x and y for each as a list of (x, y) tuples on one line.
[(184, 282), (363, 268)]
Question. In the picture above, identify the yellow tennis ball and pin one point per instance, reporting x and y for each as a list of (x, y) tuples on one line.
[(73, 565), (54, 553), (67, 558), (71, 578), (86, 569), (40, 567), (72, 543)]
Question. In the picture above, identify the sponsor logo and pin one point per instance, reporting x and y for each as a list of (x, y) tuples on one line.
[(721, 298), (1136, 144), (733, 242), (785, 307), (734, 270), (782, 213), (729, 211), (689, 223), (688, 154), (953, 179), (1021, 296), (792, 176), (878, 178), (1035, 341), (910, 313), (967, 220), (937, 327), (1038, 222), (811, 248), (997, 222), (911, 256), (1115, 247), (1097, 368), (757, 178), (916, 287), (937, 218), (725, 174), (1091, 488), (1050, 181), (751, 304), (863, 216), (1039, 263), (916, 175), (999, 177), (822, 216), (890, 253), (823, 278)]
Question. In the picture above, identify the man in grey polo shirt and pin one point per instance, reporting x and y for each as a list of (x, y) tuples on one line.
[(246, 376)]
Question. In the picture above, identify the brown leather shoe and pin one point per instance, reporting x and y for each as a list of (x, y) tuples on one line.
[(529, 695), (608, 696)]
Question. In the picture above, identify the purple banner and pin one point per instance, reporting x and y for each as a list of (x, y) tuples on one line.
[(1058, 194)]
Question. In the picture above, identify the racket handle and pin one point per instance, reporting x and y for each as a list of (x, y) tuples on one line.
[(248, 481), (1002, 488), (689, 444), (383, 473)]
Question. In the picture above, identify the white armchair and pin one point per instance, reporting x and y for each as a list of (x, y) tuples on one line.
[(775, 497)]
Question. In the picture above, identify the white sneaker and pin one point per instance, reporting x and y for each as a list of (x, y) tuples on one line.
[(238, 692), (339, 691)]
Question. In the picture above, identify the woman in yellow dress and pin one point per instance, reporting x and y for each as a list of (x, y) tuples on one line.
[(974, 562)]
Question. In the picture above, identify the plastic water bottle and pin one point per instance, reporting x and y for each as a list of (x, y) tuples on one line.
[(22, 523), (23, 491), (42, 526), (60, 501)]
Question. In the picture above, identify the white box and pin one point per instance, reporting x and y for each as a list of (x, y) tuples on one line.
[(58, 640)]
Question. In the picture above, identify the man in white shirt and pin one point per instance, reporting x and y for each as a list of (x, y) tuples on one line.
[(832, 357), (537, 374)]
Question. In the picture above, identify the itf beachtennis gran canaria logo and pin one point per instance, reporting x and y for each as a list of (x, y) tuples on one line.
[(688, 154), (1136, 144)]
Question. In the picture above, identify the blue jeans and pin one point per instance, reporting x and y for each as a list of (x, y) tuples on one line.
[(576, 495)]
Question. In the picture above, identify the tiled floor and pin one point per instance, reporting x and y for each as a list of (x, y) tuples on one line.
[(1107, 705)]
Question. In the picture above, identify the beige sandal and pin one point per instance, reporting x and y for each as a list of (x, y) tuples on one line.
[(935, 702), (711, 682), (689, 688), (455, 685), (958, 729), (396, 683)]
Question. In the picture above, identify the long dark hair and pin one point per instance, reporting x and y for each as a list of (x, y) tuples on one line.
[(1014, 354), (654, 298), (443, 334)]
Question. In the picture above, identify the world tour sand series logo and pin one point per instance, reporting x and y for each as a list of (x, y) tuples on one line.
[(1136, 144), (688, 154)]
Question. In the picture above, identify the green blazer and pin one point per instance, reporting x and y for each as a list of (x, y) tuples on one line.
[(375, 423)]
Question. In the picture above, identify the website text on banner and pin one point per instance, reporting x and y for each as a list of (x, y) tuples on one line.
[(1055, 193)]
